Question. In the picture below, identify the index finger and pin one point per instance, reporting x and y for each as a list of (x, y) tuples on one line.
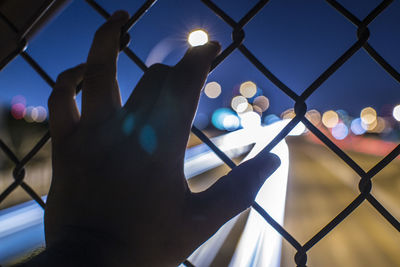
[(100, 92)]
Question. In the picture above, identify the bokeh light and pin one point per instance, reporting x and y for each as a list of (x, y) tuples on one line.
[(396, 112), (370, 126), (271, 118), (29, 113), (148, 139), (217, 118), (231, 122), (330, 118), (239, 103), (198, 37), (250, 120), (368, 115), (262, 102), (356, 127), (18, 111), (340, 131), (314, 117), (380, 125), (18, 99), (248, 89), (212, 89), (257, 109), (41, 114), (288, 114)]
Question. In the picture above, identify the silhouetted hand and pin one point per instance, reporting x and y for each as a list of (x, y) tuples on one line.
[(119, 196)]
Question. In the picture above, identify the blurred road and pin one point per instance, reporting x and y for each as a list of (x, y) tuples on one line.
[(320, 186)]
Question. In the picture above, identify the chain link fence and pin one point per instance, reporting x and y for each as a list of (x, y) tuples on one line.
[(300, 107)]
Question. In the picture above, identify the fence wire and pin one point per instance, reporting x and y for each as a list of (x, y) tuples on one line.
[(300, 107)]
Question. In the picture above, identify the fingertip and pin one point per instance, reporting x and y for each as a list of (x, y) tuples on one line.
[(275, 160), (119, 15)]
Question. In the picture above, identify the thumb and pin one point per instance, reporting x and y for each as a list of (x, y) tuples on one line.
[(232, 193)]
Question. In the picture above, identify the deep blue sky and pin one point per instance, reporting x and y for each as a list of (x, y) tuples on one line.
[(296, 40)]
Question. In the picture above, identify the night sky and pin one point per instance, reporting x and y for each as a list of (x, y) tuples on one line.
[(295, 40)]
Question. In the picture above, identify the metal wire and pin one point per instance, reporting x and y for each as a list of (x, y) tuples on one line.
[(238, 36)]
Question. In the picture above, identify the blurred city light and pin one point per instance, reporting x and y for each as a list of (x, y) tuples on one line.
[(380, 125), (257, 109), (250, 120), (262, 102), (198, 37), (18, 99), (248, 89), (239, 103), (271, 118), (29, 112), (370, 126), (314, 117), (40, 114), (330, 118), (231, 122), (396, 112), (368, 115), (212, 89), (18, 110), (219, 116), (340, 131), (356, 127), (288, 114)]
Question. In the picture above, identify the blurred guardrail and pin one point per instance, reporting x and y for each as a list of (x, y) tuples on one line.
[(300, 107)]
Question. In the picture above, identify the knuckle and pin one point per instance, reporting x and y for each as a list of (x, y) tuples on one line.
[(65, 75), (158, 68)]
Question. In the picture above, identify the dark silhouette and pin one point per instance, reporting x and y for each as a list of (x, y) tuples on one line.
[(118, 195)]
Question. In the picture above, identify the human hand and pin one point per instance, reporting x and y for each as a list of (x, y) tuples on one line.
[(119, 196)]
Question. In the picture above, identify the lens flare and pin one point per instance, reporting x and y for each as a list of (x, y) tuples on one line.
[(198, 37)]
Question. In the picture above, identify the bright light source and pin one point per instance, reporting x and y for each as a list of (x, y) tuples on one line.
[(396, 112), (250, 120), (198, 37)]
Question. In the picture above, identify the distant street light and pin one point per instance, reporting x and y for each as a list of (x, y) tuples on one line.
[(198, 37)]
